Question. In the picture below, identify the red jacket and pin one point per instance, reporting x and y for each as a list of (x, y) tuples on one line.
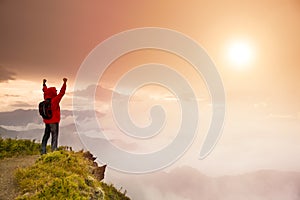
[(55, 99)]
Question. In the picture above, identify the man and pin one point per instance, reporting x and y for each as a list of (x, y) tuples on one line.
[(52, 124)]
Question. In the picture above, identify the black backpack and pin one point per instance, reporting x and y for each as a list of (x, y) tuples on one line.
[(45, 109)]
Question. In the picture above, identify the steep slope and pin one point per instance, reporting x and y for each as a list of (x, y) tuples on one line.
[(62, 174)]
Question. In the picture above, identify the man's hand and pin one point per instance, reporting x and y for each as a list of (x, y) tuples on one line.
[(44, 81), (65, 80)]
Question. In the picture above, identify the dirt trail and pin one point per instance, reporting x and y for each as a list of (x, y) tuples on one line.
[(8, 189)]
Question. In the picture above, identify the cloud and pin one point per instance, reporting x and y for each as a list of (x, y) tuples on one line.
[(66, 120), (23, 117), (87, 92), (6, 74), (189, 183), (11, 95), (21, 104), (281, 116), (103, 97), (104, 94), (19, 117), (16, 92), (30, 126)]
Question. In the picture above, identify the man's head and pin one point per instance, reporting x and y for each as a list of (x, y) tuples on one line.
[(51, 92)]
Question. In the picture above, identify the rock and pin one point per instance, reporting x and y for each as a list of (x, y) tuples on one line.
[(98, 172)]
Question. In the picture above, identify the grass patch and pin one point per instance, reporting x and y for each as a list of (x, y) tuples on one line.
[(63, 175), (112, 193), (12, 147), (60, 174), (56, 175)]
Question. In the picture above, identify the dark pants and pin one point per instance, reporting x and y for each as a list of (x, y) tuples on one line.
[(53, 129)]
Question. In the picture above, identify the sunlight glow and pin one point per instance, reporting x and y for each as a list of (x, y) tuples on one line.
[(240, 54)]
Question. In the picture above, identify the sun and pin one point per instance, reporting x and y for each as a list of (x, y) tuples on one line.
[(240, 54)]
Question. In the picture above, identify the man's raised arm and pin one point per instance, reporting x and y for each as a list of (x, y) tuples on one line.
[(44, 85), (63, 88)]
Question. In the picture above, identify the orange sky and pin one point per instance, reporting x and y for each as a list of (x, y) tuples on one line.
[(51, 39), (52, 36)]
